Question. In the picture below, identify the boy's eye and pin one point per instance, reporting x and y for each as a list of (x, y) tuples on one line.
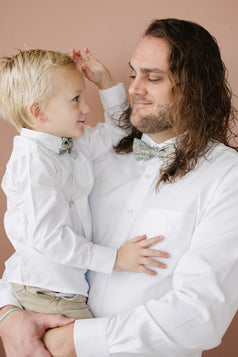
[(76, 99)]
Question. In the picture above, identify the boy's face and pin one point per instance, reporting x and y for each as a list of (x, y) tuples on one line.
[(65, 111)]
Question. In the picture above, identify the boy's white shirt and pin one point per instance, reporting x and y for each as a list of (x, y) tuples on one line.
[(48, 218), (188, 307)]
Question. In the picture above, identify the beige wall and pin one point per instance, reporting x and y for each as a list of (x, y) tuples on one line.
[(111, 30)]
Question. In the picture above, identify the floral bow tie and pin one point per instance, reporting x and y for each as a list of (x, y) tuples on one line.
[(144, 152), (66, 145)]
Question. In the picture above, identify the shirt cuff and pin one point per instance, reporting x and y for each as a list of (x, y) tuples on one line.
[(102, 259), (113, 96), (90, 338), (6, 295)]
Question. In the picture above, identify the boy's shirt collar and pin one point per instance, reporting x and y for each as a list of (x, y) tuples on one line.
[(51, 142)]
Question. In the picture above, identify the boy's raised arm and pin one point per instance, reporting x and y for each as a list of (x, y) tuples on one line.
[(93, 69)]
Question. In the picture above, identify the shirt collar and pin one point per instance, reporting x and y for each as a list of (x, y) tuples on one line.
[(50, 141), (147, 139)]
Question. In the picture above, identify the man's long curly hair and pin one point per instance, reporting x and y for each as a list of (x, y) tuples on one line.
[(201, 97)]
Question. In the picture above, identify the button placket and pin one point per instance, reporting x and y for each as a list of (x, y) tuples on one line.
[(141, 189)]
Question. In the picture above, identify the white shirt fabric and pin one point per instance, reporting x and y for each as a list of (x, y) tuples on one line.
[(187, 307), (48, 219)]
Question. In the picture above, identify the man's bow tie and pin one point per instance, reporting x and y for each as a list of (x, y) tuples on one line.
[(66, 145), (144, 152)]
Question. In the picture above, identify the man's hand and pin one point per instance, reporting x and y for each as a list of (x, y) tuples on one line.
[(22, 331), (59, 341), (135, 255), (93, 69)]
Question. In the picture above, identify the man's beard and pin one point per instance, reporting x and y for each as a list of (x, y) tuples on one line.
[(153, 123)]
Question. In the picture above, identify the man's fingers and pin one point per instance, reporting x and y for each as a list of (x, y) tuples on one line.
[(40, 351), (51, 321)]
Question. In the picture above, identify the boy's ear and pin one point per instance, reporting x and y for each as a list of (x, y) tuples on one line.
[(36, 113)]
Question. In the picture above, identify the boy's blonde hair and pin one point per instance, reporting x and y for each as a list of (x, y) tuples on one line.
[(25, 79)]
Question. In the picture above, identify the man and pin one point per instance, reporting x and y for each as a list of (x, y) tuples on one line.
[(188, 192)]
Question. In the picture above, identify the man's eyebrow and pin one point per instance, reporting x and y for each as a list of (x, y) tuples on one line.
[(149, 70)]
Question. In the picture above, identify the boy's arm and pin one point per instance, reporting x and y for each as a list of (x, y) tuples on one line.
[(21, 331), (50, 230), (59, 342), (93, 69), (101, 139)]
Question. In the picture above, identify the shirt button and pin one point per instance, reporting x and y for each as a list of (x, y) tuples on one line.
[(96, 291), (130, 211), (147, 176)]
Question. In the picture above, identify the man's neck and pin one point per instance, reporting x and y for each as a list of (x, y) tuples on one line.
[(162, 136)]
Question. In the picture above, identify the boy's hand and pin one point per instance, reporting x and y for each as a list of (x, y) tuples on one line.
[(22, 331), (59, 341), (135, 255), (93, 69)]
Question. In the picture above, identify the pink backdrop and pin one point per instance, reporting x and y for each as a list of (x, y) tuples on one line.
[(111, 30)]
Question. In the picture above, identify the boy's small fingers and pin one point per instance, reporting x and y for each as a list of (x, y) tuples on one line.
[(88, 53), (147, 271), (151, 241), (155, 253), (84, 69), (138, 239), (72, 54), (78, 53), (153, 263)]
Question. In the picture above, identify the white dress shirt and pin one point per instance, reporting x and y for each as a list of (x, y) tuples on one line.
[(48, 219), (187, 307)]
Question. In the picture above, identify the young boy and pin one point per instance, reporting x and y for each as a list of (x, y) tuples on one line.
[(49, 177)]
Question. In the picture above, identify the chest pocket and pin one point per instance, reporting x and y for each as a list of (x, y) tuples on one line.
[(176, 227)]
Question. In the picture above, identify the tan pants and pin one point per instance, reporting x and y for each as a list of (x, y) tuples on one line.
[(44, 301)]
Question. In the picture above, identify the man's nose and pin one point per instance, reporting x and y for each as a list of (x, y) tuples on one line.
[(137, 87)]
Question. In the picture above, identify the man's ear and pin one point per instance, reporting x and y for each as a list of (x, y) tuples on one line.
[(36, 113)]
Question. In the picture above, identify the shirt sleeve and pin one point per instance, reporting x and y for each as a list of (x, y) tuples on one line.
[(89, 256), (105, 135), (194, 315), (6, 295), (47, 215)]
